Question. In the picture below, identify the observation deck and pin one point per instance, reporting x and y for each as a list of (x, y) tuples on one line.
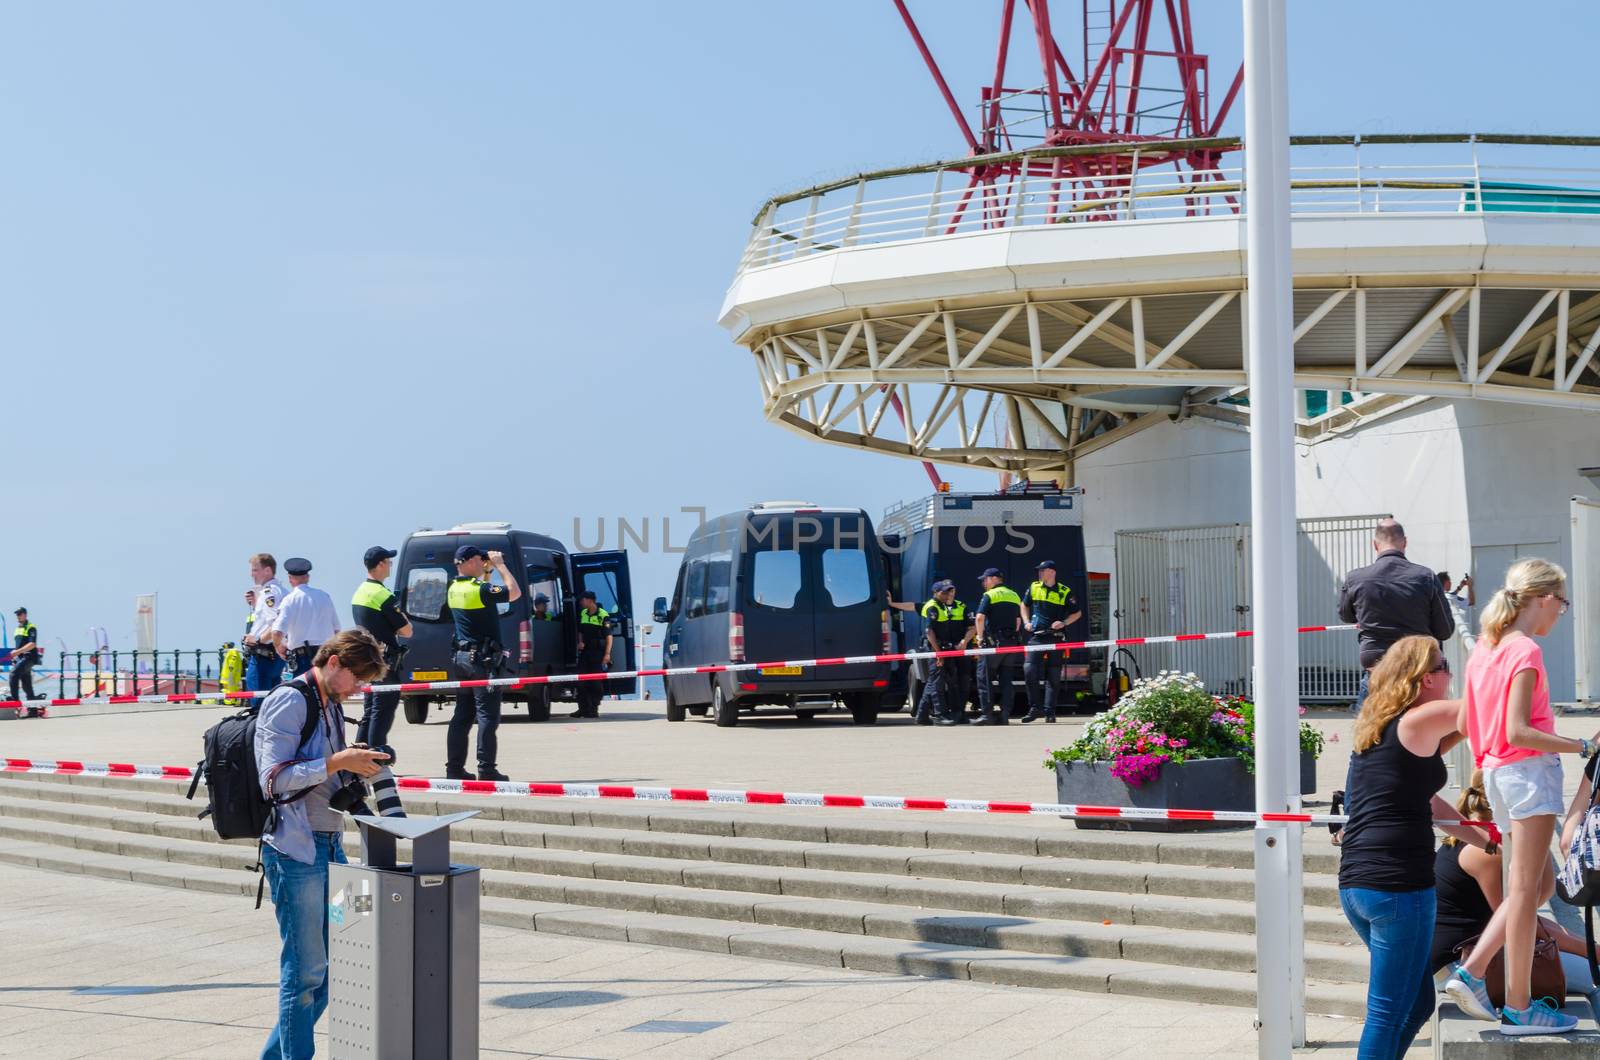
[(1016, 318)]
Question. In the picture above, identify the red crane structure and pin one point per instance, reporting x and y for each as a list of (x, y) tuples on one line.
[(1142, 81)]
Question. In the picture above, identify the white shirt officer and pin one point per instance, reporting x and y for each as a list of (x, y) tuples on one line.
[(270, 595), (306, 617)]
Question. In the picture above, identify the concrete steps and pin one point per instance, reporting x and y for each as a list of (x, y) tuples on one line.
[(1038, 905)]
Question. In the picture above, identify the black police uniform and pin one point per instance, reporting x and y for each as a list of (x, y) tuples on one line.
[(478, 654), (375, 609), (1001, 609), (944, 694), (592, 632), (1048, 604), (22, 665)]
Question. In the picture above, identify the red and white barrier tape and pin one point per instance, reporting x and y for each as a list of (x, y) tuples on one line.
[(727, 797), (683, 671)]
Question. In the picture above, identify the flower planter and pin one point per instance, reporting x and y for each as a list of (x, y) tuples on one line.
[(1199, 784)]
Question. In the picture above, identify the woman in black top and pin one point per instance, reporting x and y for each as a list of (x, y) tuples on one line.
[(1467, 881), (1386, 851)]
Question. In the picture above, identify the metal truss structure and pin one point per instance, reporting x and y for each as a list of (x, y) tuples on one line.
[(1061, 378)]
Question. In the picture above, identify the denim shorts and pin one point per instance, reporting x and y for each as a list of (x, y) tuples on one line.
[(1528, 787)]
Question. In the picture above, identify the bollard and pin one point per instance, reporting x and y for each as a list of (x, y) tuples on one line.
[(403, 946)]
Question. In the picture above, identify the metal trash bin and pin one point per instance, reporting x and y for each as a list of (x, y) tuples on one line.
[(403, 946)]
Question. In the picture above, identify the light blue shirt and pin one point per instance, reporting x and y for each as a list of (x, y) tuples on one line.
[(287, 767)]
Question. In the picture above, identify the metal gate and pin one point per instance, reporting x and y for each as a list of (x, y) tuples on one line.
[(1197, 580)]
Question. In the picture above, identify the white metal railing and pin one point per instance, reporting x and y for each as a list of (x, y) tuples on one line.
[(919, 204)]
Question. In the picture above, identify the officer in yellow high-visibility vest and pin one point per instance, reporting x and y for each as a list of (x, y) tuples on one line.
[(999, 625), (475, 608), (594, 653), (25, 655), (946, 627), (375, 609), (1051, 609)]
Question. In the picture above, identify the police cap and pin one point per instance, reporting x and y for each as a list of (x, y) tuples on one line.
[(297, 565), (466, 552), (943, 585), (587, 594), (991, 572), (20, 611), (1045, 564), (540, 598), (377, 554)]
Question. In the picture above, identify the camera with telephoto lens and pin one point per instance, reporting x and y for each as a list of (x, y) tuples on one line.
[(351, 798)]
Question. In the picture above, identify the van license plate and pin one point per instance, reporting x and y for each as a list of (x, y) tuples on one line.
[(780, 671), (428, 675)]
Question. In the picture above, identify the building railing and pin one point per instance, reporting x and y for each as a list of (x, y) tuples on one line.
[(1028, 189), (128, 672)]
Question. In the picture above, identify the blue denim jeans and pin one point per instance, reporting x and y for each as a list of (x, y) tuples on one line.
[(1397, 927), (261, 674), (300, 894)]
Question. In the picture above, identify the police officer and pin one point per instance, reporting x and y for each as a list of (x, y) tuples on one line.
[(305, 619), (25, 656), (999, 625), (262, 667), (947, 627), (375, 609), (474, 605), (1051, 609), (541, 608), (594, 653)]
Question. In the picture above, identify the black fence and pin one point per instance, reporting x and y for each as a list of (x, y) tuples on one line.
[(84, 674)]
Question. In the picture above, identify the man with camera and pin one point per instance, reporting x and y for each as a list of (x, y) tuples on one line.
[(375, 610), (474, 606), (304, 834)]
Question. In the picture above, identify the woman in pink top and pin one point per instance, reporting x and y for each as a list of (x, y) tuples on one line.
[(1506, 713)]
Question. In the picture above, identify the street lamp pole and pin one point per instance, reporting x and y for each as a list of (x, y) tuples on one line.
[(1280, 948)]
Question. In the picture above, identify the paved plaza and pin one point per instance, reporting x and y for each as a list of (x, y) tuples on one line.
[(95, 968)]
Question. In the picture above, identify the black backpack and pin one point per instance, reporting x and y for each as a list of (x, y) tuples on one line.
[(236, 806)]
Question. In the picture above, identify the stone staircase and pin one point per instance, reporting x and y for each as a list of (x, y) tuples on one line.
[(1026, 903)]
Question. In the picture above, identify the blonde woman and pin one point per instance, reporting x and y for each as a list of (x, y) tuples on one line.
[(1467, 885), (1386, 855), (1506, 714)]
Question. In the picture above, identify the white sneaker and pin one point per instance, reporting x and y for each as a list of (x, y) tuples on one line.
[(1470, 995), (1540, 1017)]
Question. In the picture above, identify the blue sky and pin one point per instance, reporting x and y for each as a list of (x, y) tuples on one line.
[(302, 277)]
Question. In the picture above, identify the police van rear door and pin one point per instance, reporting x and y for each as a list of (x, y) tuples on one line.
[(606, 575)]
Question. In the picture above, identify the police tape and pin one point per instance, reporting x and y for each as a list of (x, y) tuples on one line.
[(682, 671), (731, 797)]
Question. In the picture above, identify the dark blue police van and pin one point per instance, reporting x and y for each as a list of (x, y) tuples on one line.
[(541, 564), (959, 535), (778, 581)]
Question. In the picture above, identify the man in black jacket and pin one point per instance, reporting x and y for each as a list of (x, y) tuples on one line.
[(1391, 599)]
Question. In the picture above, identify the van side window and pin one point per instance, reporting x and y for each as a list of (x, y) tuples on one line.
[(425, 592), (719, 581), (845, 576), (775, 582), (695, 606), (542, 578)]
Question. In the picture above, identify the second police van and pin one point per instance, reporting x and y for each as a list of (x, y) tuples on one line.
[(779, 581)]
